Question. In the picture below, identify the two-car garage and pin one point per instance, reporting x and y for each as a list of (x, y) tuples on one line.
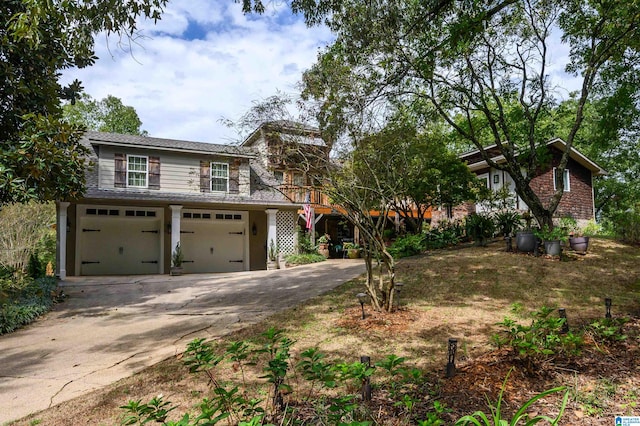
[(121, 240)]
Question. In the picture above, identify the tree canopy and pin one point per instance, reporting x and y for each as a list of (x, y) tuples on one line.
[(41, 156), (106, 115), (485, 66)]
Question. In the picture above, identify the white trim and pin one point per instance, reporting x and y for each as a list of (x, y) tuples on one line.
[(146, 172), (211, 177)]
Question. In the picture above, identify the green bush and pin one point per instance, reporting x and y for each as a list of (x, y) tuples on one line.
[(303, 259), (479, 228), (626, 227), (447, 233), (304, 242), (23, 299), (546, 337), (409, 245)]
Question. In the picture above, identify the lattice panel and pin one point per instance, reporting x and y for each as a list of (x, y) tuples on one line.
[(286, 225)]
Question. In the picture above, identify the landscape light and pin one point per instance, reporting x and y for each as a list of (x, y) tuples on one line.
[(398, 288), (607, 304), (451, 363), (366, 382), (563, 314), (362, 298)]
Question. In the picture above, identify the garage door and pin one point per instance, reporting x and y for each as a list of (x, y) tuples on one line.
[(213, 241), (119, 241)]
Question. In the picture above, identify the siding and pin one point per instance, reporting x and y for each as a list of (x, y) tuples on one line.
[(179, 173)]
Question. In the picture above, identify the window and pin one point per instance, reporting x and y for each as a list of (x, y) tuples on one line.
[(279, 175), (137, 171), (298, 179), (567, 181), (485, 179), (220, 177)]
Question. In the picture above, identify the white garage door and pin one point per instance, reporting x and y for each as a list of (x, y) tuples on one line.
[(213, 241), (119, 240)]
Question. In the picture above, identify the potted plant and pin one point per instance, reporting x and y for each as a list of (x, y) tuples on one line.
[(552, 239), (177, 257), (508, 222), (323, 245), (578, 241), (272, 255), (353, 250), (525, 238)]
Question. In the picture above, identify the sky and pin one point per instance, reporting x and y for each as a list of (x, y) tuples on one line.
[(202, 62), (205, 61)]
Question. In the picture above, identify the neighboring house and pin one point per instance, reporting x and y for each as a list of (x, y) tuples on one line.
[(577, 200), (145, 195)]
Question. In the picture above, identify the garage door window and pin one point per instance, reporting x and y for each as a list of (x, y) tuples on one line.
[(220, 177), (137, 171)]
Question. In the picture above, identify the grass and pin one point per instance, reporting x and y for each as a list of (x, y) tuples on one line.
[(458, 293)]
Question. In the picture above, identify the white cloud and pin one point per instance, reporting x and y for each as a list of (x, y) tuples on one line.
[(181, 88)]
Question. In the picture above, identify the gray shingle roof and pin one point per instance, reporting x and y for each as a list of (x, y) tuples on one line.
[(102, 138)]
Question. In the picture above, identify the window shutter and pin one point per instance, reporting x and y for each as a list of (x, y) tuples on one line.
[(120, 177), (205, 176), (154, 172), (234, 177)]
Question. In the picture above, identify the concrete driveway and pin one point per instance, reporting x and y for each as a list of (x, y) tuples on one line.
[(111, 327)]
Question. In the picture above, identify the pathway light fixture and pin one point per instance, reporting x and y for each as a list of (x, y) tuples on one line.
[(607, 304), (362, 298), (451, 363)]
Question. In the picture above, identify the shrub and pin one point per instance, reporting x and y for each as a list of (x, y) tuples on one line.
[(304, 243), (507, 222), (543, 339), (447, 233), (23, 300), (408, 245), (626, 227), (479, 228), (305, 258)]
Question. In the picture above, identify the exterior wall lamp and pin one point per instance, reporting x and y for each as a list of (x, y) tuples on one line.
[(254, 229)]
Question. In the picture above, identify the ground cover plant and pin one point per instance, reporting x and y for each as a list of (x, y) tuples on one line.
[(502, 308)]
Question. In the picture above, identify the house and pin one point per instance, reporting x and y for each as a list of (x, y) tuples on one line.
[(577, 200), (297, 156), (146, 195)]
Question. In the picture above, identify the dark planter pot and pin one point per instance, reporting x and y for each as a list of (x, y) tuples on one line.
[(525, 242), (552, 248), (579, 244), (175, 271)]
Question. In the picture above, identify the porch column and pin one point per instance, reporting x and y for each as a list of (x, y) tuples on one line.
[(272, 229), (61, 246), (175, 226)]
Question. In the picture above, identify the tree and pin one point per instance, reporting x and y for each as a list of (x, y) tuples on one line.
[(106, 115), (42, 158), (483, 65), (395, 169)]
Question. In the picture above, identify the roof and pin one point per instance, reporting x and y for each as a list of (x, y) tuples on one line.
[(475, 161), (290, 131), (115, 139)]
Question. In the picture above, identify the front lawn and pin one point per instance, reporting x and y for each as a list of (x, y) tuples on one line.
[(460, 293)]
